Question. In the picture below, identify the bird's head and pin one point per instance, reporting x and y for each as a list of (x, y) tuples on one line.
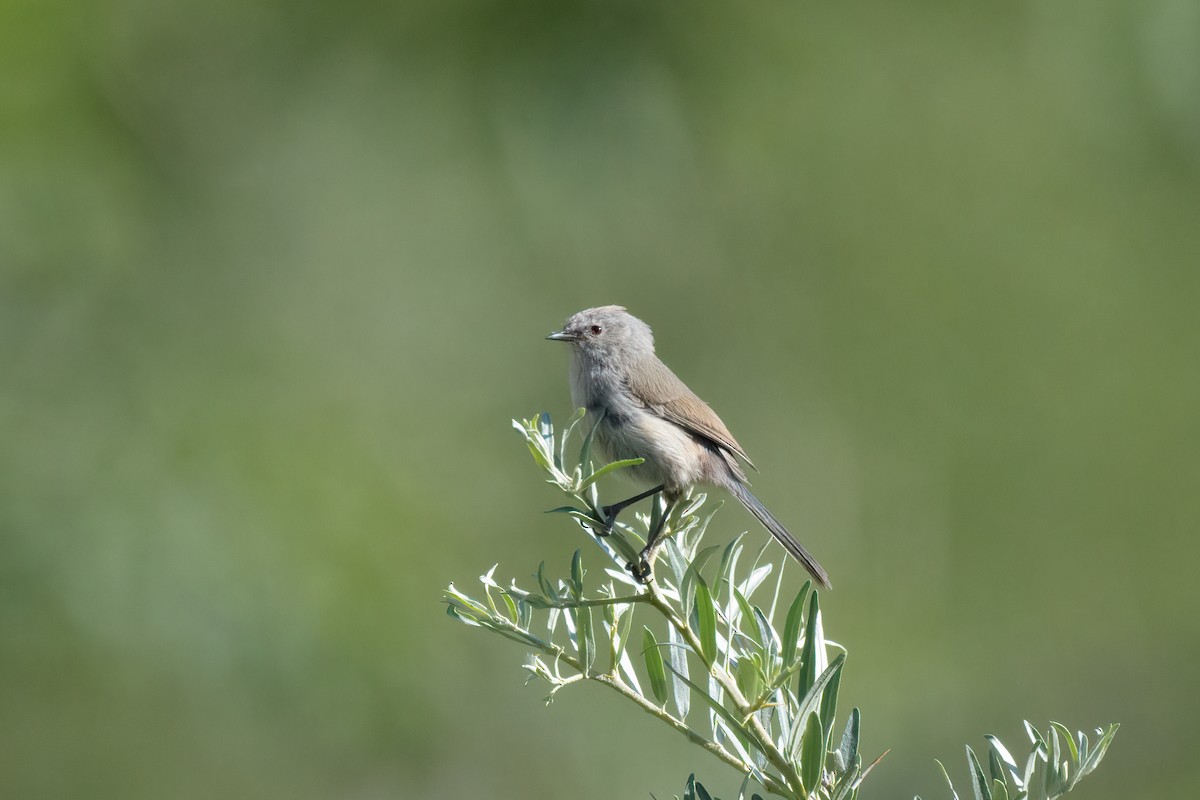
[(606, 331)]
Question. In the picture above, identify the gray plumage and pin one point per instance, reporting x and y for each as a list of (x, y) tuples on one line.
[(645, 411)]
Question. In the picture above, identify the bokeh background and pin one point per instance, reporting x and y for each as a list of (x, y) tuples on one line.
[(274, 278)]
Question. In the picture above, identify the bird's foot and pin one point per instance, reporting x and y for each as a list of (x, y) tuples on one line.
[(642, 570)]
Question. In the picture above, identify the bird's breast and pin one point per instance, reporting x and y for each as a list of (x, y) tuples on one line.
[(672, 456)]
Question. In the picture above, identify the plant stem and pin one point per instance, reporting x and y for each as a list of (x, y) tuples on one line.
[(753, 726)]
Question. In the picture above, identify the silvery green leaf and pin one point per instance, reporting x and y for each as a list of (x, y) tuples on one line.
[(994, 769), (462, 617), (816, 629), (547, 587), (572, 510), (812, 753), (745, 618), (848, 749), (810, 654), (979, 783), (1100, 748), (1006, 758), (610, 609), (750, 677), (467, 603), (725, 570), (793, 624), (623, 627), (693, 503), (810, 704), (768, 635), (577, 574), (654, 666), (756, 578), (524, 614), (706, 619), (845, 789), (608, 469), (1030, 766), (687, 589), (1052, 771), (677, 658), (487, 580), (999, 790), (539, 456), (1068, 738), (679, 565), (587, 640), (1035, 737), (829, 698), (513, 613)]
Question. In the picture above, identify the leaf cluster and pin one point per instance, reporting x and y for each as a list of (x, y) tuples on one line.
[(1055, 764), (710, 647), (713, 649)]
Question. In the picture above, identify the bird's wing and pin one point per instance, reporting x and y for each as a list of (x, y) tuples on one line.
[(662, 393)]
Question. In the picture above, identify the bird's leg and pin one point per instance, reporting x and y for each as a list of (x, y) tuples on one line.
[(643, 570), (610, 512)]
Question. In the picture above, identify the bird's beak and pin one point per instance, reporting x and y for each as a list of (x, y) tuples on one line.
[(563, 336)]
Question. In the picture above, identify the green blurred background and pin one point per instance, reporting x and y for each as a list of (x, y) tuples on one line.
[(274, 278)]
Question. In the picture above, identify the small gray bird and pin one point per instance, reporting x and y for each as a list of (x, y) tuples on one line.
[(642, 410)]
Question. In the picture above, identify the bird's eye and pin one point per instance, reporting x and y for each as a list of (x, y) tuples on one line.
[(596, 330)]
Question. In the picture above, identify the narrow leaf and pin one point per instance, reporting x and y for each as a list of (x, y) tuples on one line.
[(979, 784), (829, 699), (811, 703), (677, 658), (706, 620), (1068, 738), (608, 468), (1006, 758), (812, 753), (654, 666), (793, 624), (587, 640), (577, 574), (808, 658), (848, 749), (1100, 748)]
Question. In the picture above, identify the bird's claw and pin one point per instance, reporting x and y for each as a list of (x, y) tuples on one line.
[(642, 571)]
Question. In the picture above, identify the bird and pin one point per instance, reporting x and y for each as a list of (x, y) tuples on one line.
[(641, 409)]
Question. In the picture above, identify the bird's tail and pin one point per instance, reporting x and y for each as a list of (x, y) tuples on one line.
[(781, 534)]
